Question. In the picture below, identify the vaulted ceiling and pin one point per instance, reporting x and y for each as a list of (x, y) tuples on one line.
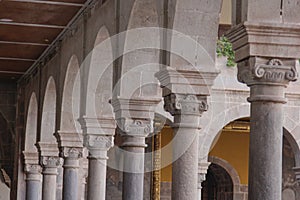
[(27, 28)]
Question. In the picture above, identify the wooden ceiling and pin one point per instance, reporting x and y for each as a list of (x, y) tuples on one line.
[(27, 28)]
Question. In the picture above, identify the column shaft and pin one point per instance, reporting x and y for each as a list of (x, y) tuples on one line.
[(70, 189), (33, 187), (133, 176), (97, 179), (265, 164), (49, 183), (185, 169)]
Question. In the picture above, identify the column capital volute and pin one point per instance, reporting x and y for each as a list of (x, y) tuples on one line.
[(50, 161), (267, 77), (185, 104), (71, 152), (32, 169), (267, 71), (94, 142), (135, 127)]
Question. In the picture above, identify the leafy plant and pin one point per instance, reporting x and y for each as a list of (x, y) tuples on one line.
[(224, 48)]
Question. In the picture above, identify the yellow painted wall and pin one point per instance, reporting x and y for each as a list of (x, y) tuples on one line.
[(166, 138), (231, 146), (234, 148)]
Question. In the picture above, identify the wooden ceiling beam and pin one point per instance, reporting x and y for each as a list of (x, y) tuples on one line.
[(17, 59), (12, 72), (32, 25), (50, 2), (23, 43)]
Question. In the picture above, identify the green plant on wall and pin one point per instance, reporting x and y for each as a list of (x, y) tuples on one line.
[(224, 48)]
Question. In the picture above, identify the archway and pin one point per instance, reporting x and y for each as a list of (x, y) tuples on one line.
[(218, 184), (232, 146)]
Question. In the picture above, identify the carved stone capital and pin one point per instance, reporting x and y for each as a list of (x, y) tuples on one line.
[(135, 127), (50, 161), (185, 104), (71, 152), (70, 144), (254, 71), (100, 142), (32, 169), (267, 78)]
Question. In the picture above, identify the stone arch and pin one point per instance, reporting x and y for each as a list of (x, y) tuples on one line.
[(219, 121), (31, 124), (49, 113), (218, 183), (71, 97), (229, 169), (295, 147)]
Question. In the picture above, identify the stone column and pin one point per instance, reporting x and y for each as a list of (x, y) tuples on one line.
[(187, 110), (98, 139), (50, 161), (267, 79), (135, 122), (83, 174), (50, 165), (202, 171), (33, 176), (185, 94), (71, 147)]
